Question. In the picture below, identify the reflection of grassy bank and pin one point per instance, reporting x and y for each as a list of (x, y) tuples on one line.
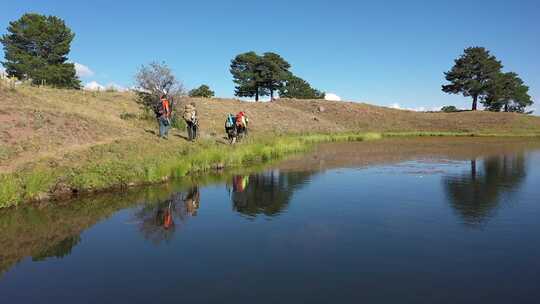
[(35, 232), (120, 165), (52, 230)]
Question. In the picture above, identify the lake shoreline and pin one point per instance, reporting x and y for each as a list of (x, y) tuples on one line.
[(47, 183)]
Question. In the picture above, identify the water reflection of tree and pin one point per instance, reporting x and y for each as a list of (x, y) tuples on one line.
[(266, 193), (476, 195), (159, 220), (58, 250)]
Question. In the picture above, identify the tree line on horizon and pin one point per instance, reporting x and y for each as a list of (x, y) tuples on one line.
[(36, 49)]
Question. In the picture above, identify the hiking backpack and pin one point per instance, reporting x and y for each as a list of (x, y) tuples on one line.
[(229, 123)]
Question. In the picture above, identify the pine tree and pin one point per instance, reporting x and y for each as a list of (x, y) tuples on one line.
[(36, 48), (472, 74), (275, 72), (257, 76), (296, 87), (507, 92), (247, 70)]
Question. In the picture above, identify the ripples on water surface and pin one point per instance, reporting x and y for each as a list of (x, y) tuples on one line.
[(423, 221)]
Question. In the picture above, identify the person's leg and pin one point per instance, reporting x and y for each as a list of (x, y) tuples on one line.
[(161, 128), (189, 130), (240, 133), (166, 131), (195, 131), (167, 127)]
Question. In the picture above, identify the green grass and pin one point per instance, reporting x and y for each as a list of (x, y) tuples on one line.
[(117, 166), (111, 142), (9, 191), (120, 166)]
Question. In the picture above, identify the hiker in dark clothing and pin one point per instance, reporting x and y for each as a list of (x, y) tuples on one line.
[(230, 128), (192, 121), (163, 115)]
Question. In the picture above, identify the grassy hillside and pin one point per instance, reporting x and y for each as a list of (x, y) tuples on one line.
[(55, 141)]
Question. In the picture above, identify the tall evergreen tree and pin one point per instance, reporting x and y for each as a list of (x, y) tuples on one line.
[(507, 92), (275, 72), (472, 73), (257, 76), (36, 48), (296, 87), (247, 70)]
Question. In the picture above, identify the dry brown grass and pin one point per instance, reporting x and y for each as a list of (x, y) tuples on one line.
[(37, 123), (368, 118)]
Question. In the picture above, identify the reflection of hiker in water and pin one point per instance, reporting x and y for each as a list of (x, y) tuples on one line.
[(239, 186), (192, 201), (240, 182), (159, 221), (164, 217)]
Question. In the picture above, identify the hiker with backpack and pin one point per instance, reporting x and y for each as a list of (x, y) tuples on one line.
[(241, 124), (192, 120), (163, 115), (230, 128)]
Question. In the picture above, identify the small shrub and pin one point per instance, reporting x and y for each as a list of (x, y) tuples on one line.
[(202, 91), (449, 109)]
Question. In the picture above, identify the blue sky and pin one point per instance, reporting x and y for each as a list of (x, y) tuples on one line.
[(382, 52)]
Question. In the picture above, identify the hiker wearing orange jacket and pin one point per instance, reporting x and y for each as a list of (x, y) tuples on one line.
[(163, 114), (241, 124)]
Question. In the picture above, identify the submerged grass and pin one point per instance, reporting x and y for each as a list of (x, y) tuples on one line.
[(120, 167)]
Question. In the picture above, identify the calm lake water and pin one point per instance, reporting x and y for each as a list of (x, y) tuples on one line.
[(392, 221)]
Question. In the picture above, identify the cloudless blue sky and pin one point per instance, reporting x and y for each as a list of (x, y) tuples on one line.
[(382, 52)]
